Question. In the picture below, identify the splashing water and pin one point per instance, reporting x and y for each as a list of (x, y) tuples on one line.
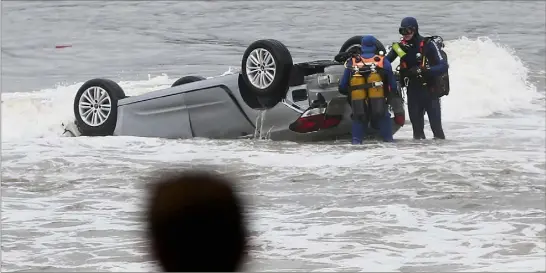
[(260, 118), (486, 78)]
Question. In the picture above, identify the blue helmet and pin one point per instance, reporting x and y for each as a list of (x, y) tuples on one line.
[(368, 44)]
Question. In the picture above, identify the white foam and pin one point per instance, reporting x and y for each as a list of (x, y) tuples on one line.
[(435, 239), (529, 265), (486, 78), (306, 222)]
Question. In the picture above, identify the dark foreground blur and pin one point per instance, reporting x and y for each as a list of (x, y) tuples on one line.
[(195, 223)]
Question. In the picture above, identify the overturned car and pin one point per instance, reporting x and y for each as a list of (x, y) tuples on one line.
[(271, 96)]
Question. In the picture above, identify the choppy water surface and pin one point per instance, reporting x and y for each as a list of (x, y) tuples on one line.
[(474, 202)]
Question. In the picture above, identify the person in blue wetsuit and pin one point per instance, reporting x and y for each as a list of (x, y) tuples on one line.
[(368, 89), (421, 63)]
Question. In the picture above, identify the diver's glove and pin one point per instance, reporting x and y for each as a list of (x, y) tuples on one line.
[(417, 71), (414, 71), (342, 57)]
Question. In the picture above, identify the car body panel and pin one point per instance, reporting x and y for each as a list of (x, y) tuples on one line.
[(161, 116), (215, 114)]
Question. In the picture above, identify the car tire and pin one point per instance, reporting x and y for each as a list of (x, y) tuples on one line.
[(279, 61), (355, 42), (187, 79), (95, 95)]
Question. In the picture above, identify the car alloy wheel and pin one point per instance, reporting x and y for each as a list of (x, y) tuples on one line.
[(261, 68), (95, 106)]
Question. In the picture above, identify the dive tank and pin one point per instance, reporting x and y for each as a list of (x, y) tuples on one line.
[(358, 98), (376, 94)]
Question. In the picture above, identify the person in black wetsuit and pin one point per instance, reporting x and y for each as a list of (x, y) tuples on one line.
[(422, 63)]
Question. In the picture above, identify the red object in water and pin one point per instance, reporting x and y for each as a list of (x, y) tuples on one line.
[(62, 46)]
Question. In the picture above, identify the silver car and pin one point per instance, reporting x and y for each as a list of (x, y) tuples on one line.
[(270, 97)]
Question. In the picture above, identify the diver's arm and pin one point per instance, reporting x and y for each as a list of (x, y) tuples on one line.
[(441, 64), (391, 56), (390, 76), (344, 81)]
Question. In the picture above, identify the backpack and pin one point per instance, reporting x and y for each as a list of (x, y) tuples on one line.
[(442, 81)]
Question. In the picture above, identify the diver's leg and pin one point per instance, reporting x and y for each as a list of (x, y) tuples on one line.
[(365, 125), (357, 131), (434, 112), (359, 120), (385, 127), (374, 123), (416, 114)]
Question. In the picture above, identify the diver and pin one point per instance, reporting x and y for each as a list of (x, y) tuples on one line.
[(367, 81), (423, 66)]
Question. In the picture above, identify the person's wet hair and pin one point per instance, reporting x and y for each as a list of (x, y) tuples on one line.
[(195, 223)]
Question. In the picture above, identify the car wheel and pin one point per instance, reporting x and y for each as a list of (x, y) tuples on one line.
[(266, 67), (96, 107), (354, 42), (187, 79)]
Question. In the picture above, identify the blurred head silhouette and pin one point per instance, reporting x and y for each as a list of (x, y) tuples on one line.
[(195, 223)]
